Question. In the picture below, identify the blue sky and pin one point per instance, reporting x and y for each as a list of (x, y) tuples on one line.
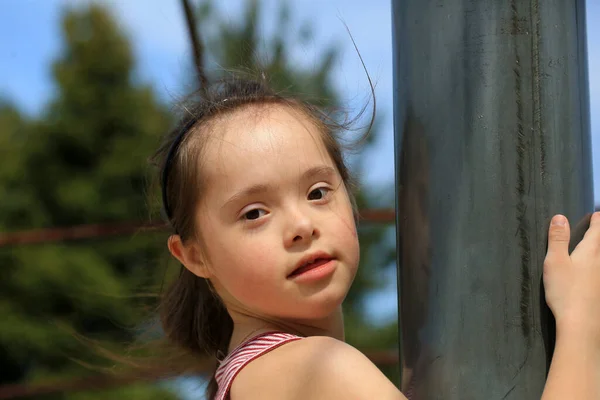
[(29, 41)]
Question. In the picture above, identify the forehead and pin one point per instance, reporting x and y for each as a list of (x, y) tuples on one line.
[(263, 141)]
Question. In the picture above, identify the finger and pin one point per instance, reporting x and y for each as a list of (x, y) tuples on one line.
[(594, 228), (595, 220), (591, 239), (558, 238), (578, 231)]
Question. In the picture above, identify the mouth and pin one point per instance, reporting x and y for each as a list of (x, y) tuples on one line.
[(310, 262)]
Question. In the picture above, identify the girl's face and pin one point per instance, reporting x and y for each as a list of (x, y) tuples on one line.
[(273, 201)]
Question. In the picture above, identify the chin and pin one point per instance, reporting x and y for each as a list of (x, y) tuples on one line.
[(323, 304)]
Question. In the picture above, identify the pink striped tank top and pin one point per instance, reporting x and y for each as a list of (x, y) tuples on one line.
[(244, 354)]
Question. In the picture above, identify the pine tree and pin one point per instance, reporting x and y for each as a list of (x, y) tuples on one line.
[(83, 161)]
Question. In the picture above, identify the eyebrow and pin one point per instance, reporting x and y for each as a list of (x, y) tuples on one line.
[(317, 172), (311, 173)]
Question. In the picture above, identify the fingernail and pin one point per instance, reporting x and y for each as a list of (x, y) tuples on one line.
[(559, 220)]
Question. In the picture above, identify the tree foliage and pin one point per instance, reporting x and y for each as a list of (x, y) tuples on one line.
[(82, 162)]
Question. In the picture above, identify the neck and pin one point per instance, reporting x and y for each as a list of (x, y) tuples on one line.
[(246, 326)]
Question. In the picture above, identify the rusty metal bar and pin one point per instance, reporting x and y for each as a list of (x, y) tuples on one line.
[(82, 232)]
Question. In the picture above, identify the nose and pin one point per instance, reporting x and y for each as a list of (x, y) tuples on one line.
[(300, 229)]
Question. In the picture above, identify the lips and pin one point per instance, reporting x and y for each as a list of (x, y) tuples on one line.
[(309, 262)]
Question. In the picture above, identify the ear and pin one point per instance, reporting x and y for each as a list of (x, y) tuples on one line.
[(189, 255)]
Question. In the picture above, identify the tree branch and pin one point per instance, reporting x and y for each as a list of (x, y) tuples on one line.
[(197, 45)]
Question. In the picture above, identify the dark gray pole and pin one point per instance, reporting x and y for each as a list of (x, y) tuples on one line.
[(492, 139)]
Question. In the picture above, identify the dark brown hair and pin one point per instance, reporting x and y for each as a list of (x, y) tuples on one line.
[(192, 315)]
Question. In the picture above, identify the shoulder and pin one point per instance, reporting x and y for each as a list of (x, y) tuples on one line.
[(315, 367)]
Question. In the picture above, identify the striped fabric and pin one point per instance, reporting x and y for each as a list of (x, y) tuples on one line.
[(243, 354)]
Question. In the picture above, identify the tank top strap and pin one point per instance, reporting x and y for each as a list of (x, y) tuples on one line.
[(244, 354)]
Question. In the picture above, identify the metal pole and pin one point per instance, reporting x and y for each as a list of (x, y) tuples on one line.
[(492, 138)]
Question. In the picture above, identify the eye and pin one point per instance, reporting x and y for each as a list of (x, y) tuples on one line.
[(319, 193), (254, 214)]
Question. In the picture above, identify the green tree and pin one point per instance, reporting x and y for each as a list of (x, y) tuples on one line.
[(82, 162)]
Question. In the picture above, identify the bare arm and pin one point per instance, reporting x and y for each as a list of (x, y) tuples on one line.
[(572, 285), (316, 368), (575, 371), (345, 373)]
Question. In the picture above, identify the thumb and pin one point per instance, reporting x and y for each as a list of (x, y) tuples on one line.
[(559, 235)]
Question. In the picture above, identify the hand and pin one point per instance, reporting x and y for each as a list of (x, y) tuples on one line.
[(572, 282)]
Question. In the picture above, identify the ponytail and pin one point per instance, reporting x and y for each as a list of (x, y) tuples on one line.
[(195, 319)]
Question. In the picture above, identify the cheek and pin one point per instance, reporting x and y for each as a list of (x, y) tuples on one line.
[(350, 234), (353, 247), (247, 267), (231, 253), (344, 233), (347, 218)]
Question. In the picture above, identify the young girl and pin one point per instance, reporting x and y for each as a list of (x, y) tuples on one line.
[(259, 197)]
